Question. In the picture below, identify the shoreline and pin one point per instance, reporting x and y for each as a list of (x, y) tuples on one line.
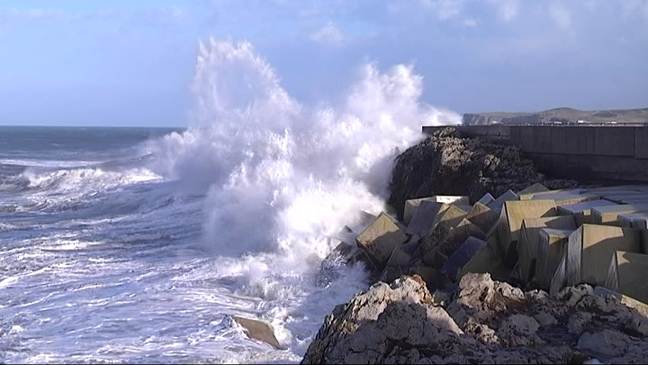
[(452, 196)]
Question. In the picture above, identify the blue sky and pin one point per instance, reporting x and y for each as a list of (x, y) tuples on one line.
[(130, 62)]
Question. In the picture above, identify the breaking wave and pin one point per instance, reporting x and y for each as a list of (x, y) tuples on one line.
[(280, 176)]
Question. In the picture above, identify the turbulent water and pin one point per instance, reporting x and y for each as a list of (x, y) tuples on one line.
[(137, 245)]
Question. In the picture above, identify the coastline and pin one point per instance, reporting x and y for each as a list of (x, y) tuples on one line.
[(473, 300)]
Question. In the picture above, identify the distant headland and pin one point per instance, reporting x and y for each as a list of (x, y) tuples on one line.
[(560, 116)]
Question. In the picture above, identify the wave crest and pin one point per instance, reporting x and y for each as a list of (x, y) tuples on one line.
[(282, 176)]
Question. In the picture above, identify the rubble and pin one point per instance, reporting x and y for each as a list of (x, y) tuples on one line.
[(481, 321)]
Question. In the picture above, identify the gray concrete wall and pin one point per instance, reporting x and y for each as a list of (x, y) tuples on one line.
[(616, 153)]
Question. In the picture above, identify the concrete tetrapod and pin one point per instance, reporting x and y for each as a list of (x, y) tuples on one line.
[(590, 249), (627, 275)]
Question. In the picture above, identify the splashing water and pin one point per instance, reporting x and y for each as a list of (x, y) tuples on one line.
[(280, 176)]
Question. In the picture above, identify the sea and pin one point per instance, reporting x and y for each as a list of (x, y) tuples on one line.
[(138, 245)]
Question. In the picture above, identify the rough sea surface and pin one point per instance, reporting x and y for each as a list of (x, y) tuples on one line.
[(136, 245)]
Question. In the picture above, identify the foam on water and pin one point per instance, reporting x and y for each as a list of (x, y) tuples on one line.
[(281, 176), (145, 259)]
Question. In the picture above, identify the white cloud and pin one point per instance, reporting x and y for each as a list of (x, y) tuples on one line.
[(444, 9), (635, 7), (560, 15), (507, 10), (329, 35), (470, 23)]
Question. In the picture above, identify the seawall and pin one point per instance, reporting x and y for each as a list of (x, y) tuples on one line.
[(593, 153)]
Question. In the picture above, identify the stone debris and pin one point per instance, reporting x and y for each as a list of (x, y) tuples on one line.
[(480, 321)]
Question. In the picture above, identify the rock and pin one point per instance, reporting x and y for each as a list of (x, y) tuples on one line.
[(578, 321), (519, 330), (480, 298), (258, 330), (545, 319), (484, 321), (444, 163), (606, 342), (637, 326)]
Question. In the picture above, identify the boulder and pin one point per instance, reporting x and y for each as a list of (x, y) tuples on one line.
[(258, 330), (446, 163), (481, 321)]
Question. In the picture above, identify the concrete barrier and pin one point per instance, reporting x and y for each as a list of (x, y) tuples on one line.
[(641, 142), (611, 141), (594, 153)]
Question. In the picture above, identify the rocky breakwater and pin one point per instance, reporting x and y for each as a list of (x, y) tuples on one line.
[(581, 255), (482, 321)]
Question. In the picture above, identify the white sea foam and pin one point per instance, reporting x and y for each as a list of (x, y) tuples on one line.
[(103, 265), (282, 176)]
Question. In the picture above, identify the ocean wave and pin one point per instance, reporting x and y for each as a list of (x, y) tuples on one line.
[(281, 177)]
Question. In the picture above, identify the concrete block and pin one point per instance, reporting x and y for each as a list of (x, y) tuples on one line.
[(399, 256), (345, 235), (459, 234), (532, 189), (411, 206), (627, 275), (452, 216), (530, 240), (487, 260), (468, 249), (610, 214), (465, 208), (634, 220), (380, 238), (361, 221), (442, 234), (551, 248), (644, 241), (497, 205), (425, 218), (614, 141), (566, 197), (452, 199), (582, 211), (620, 198), (633, 200), (482, 216), (590, 249), (486, 199), (510, 222), (613, 189), (258, 330), (630, 302)]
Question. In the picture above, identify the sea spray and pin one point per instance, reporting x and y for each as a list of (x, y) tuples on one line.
[(280, 177)]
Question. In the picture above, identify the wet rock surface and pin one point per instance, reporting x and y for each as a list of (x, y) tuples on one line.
[(444, 163), (481, 321)]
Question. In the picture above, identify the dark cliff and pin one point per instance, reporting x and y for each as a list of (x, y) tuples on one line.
[(446, 164)]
